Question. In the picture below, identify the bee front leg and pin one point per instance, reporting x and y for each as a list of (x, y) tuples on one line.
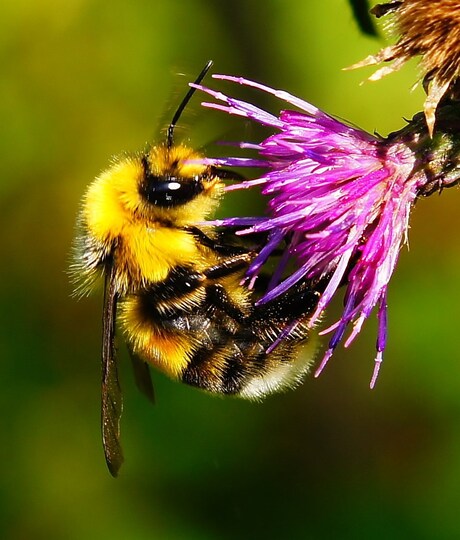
[(229, 266), (217, 296), (215, 245)]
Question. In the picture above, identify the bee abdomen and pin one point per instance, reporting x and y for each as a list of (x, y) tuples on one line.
[(224, 367), (193, 330), (241, 366), (250, 366)]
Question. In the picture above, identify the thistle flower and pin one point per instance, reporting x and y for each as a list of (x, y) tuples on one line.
[(340, 199), (430, 29)]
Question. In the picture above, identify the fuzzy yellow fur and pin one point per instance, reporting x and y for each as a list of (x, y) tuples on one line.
[(147, 239)]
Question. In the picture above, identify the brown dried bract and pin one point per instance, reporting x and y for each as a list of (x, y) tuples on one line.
[(430, 29)]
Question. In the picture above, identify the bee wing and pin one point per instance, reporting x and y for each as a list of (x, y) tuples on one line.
[(112, 400), (142, 376)]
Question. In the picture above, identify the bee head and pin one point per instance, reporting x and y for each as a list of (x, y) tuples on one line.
[(175, 184)]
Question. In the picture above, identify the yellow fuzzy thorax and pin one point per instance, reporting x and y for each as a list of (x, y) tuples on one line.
[(148, 239)]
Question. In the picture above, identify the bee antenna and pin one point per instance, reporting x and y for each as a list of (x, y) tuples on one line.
[(180, 109)]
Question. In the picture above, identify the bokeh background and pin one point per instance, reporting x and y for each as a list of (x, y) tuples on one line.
[(83, 80)]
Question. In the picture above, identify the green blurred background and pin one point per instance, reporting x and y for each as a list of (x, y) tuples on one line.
[(83, 80)]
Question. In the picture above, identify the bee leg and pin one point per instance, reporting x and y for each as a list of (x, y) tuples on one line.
[(295, 304), (218, 296), (227, 174), (215, 245), (229, 266), (142, 375)]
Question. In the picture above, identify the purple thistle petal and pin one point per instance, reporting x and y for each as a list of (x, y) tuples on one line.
[(238, 107), (274, 238), (281, 94), (343, 198), (378, 362), (284, 333), (324, 362), (283, 286)]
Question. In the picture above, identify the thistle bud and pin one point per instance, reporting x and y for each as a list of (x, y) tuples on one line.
[(429, 29)]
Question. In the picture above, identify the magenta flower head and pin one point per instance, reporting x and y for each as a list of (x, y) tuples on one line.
[(339, 199)]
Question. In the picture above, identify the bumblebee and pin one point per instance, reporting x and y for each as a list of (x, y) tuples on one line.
[(175, 287)]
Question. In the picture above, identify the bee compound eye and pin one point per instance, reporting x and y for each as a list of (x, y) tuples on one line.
[(170, 191)]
